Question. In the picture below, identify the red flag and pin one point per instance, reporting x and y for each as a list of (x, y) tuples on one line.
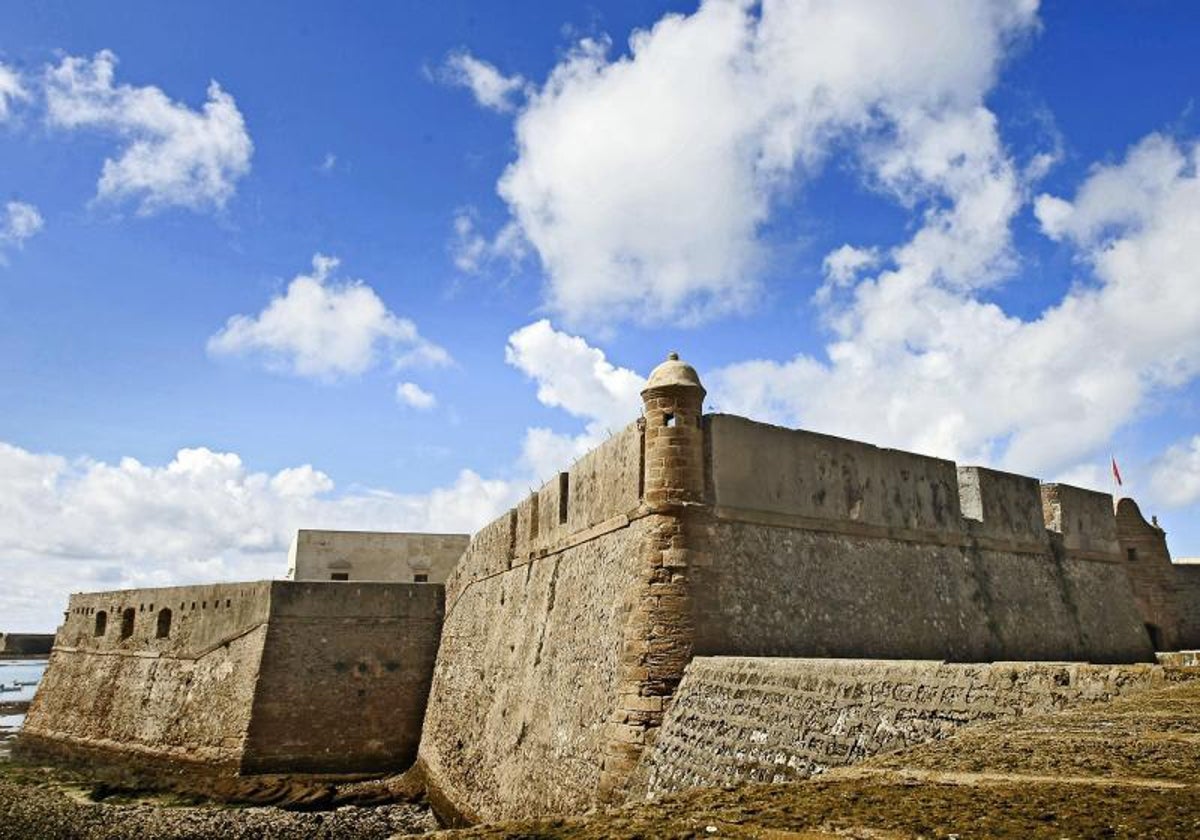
[(1117, 473)]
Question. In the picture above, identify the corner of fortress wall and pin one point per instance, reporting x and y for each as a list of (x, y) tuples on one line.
[(270, 676), (570, 619)]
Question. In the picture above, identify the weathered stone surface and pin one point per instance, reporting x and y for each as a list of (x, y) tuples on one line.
[(266, 676), (739, 720), (374, 556), (788, 591), (25, 644)]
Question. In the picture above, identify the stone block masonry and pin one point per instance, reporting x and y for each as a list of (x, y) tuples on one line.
[(570, 620), (736, 720), (393, 557), (270, 676)]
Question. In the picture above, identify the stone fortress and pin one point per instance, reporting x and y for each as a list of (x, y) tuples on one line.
[(701, 599)]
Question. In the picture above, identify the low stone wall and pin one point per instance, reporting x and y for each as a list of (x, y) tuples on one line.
[(738, 719), (26, 644), (271, 676)]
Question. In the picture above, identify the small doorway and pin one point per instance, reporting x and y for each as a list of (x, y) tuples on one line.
[(1156, 638)]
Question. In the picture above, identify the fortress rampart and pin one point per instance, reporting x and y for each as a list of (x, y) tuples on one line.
[(570, 620), (270, 676), (25, 644), (701, 598)]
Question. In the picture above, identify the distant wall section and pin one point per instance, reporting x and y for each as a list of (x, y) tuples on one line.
[(1187, 577), (374, 556), (26, 644), (271, 676)]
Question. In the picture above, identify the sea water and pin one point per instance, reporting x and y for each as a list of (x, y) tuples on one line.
[(17, 671), (20, 671)]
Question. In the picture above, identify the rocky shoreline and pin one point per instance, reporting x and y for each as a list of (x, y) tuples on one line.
[(34, 804)]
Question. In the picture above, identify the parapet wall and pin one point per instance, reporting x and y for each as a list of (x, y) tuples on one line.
[(26, 644), (738, 720), (269, 676), (374, 556), (821, 546)]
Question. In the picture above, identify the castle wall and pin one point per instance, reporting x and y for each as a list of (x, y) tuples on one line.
[(533, 669), (374, 556), (26, 644), (738, 720), (1187, 582), (268, 676), (185, 697), (1151, 574), (344, 677), (820, 546)]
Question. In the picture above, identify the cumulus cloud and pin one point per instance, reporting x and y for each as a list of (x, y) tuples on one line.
[(1175, 476), (579, 379), (172, 155), (11, 90), (204, 515), (325, 328), (414, 396), (19, 222), (491, 88), (921, 360), (643, 181)]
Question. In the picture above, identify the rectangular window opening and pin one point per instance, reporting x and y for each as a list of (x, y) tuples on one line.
[(1131, 553), (420, 578), (564, 490), (669, 420), (340, 576)]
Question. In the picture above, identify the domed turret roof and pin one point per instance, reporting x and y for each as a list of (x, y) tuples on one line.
[(673, 373)]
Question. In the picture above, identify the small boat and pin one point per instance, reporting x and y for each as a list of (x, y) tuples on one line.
[(9, 688)]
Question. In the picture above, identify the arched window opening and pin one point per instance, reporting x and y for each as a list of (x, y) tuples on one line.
[(101, 623), (164, 624), (127, 618)]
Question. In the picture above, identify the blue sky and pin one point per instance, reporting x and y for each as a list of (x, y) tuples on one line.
[(968, 231)]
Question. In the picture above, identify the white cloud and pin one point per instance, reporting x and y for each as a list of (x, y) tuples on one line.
[(491, 88), (578, 378), (574, 376), (1175, 476), (643, 181), (328, 163), (11, 90), (204, 516), (415, 396), (324, 328), (172, 155), (921, 361), (472, 252), (19, 222)]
